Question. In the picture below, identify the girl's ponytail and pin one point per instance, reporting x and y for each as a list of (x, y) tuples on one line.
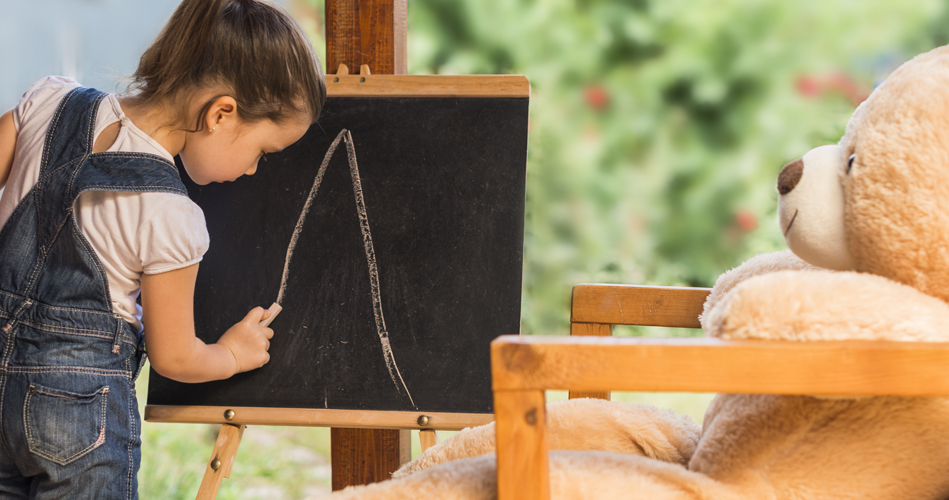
[(169, 63)]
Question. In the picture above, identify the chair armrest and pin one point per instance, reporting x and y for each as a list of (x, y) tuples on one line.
[(700, 364), (523, 368)]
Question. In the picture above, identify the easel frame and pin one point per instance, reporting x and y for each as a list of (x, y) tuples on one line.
[(318, 417), (361, 442), (234, 420)]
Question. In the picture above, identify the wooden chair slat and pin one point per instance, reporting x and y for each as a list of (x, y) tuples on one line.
[(638, 305), (585, 330), (711, 365)]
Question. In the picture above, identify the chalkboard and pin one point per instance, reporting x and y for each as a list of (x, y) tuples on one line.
[(406, 260)]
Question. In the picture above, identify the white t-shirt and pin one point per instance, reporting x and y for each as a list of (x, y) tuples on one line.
[(131, 233)]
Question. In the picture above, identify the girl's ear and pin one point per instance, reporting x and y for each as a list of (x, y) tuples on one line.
[(222, 111)]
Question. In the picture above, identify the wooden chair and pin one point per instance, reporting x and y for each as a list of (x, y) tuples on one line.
[(591, 362)]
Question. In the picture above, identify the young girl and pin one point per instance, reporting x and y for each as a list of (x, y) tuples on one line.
[(93, 212)]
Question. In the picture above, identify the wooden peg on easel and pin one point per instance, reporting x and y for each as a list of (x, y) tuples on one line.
[(364, 70), (342, 70), (222, 459)]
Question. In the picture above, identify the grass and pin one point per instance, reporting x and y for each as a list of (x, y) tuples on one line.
[(272, 463)]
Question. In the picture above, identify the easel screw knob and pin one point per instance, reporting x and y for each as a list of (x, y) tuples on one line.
[(229, 415), (215, 464), (422, 420)]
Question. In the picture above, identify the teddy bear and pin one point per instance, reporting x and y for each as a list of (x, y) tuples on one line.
[(867, 224)]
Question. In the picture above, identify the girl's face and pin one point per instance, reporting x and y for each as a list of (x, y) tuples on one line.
[(233, 148)]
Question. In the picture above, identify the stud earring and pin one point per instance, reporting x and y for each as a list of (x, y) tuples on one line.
[(212, 129)]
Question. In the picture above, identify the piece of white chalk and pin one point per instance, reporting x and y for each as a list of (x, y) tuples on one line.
[(274, 310)]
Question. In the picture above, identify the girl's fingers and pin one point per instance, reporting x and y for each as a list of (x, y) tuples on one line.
[(255, 315), (270, 314)]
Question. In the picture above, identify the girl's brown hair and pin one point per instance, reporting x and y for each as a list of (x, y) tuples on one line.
[(251, 48)]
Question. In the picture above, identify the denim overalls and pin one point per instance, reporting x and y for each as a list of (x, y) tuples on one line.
[(69, 418)]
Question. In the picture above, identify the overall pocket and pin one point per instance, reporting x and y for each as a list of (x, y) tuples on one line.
[(62, 426)]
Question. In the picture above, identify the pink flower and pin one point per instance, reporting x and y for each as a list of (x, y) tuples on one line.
[(596, 97), (746, 220)]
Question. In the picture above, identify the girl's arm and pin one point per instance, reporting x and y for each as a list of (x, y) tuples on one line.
[(174, 350), (7, 145)]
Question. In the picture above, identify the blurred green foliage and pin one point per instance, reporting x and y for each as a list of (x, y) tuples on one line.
[(658, 127)]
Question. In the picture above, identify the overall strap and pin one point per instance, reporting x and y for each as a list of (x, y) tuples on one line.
[(64, 270), (71, 131), (70, 167)]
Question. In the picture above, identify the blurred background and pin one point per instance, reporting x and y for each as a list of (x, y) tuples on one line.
[(657, 131)]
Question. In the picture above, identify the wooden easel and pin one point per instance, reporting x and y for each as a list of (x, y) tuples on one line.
[(366, 446)]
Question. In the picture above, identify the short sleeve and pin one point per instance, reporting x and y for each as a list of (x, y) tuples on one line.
[(174, 234), (42, 93)]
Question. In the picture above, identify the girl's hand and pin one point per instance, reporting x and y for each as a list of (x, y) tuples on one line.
[(248, 342), (174, 350)]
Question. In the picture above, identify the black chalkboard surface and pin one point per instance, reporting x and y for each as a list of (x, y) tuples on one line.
[(405, 265)]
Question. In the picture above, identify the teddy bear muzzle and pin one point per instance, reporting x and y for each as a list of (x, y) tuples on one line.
[(811, 208)]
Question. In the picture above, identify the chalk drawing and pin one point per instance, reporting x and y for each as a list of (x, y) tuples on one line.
[(346, 137)]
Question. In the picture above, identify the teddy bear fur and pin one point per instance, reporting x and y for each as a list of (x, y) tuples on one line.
[(584, 424), (887, 236), (619, 432)]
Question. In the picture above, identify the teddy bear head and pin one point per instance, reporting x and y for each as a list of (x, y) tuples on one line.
[(878, 201)]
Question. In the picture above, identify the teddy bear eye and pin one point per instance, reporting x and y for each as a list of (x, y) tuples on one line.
[(850, 163)]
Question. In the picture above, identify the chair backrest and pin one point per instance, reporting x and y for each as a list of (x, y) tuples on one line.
[(596, 307)]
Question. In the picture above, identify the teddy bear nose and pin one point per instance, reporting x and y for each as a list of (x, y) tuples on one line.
[(790, 175)]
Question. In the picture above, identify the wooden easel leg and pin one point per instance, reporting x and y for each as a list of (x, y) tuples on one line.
[(369, 32), (222, 459), (363, 456), (427, 438)]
